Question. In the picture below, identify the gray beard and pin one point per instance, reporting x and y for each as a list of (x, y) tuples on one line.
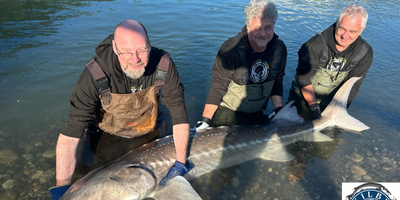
[(135, 74)]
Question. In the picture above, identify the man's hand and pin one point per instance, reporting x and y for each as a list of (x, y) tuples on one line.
[(203, 124), (57, 191), (177, 169), (316, 111)]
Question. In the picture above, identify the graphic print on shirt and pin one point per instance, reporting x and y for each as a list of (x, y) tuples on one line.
[(259, 71), (138, 89), (336, 64)]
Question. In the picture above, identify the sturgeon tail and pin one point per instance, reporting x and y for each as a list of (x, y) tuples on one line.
[(337, 109)]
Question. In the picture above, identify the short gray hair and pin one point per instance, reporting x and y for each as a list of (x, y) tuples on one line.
[(353, 11), (260, 9)]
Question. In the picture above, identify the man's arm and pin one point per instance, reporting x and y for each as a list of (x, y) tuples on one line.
[(180, 166), (277, 101), (222, 71), (84, 102), (209, 110), (181, 140), (277, 90), (308, 94), (308, 64), (173, 97), (65, 159)]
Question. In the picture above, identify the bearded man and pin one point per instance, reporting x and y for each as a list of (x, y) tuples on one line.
[(117, 94)]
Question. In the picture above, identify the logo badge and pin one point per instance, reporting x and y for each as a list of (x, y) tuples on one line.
[(368, 191), (259, 71)]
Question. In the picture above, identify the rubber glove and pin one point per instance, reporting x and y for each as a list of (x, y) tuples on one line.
[(177, 169), (57, 191), (203, 124), (316, 111)]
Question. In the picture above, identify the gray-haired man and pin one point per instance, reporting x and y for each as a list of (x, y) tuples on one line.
[(248, 70), (330, 58)]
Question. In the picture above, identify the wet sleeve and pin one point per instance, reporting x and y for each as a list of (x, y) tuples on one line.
[(308, 62), (172, 96), (360, 71), (84, 102), (222, 72), (278, 85)]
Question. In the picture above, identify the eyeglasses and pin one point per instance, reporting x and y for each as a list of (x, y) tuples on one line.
[(140, 53)]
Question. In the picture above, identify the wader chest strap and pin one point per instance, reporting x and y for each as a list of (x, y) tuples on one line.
[(162, 69), (323, 60), (101, 80), (242, 51), (360, 55), (277, 53)]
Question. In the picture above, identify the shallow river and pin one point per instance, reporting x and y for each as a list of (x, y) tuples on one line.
[(44, 45)]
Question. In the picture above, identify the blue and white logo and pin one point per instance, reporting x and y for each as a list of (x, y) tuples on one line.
[(369, 191)]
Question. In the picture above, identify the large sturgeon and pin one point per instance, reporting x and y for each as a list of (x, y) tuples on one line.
[(136, 174)]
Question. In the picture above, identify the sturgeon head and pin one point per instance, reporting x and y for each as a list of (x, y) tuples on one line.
[(124, 182), (133, 176)]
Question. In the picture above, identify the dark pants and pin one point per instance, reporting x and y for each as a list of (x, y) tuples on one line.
[(97, 148), (226, 117)]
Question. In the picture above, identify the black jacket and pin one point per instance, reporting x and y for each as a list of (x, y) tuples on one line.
[(85, 102), (229, 66)]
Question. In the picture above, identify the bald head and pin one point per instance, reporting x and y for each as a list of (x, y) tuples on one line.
[(132, 46), (129, 28)]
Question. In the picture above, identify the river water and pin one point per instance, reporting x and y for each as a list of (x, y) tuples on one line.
[(44, 45)]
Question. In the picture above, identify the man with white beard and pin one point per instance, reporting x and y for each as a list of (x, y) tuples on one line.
[(117, 94)]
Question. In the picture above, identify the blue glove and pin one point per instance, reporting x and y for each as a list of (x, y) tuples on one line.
[(57, 191), (177, 169)]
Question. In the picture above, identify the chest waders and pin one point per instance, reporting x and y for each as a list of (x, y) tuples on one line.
[(250, 98), (247, 98), (129, 115)]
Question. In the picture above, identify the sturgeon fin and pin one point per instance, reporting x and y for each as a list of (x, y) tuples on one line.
[(275, 151), (287, 116), (350, 123), (317, 136), (177, 188), (279, 154), (337, 109)]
